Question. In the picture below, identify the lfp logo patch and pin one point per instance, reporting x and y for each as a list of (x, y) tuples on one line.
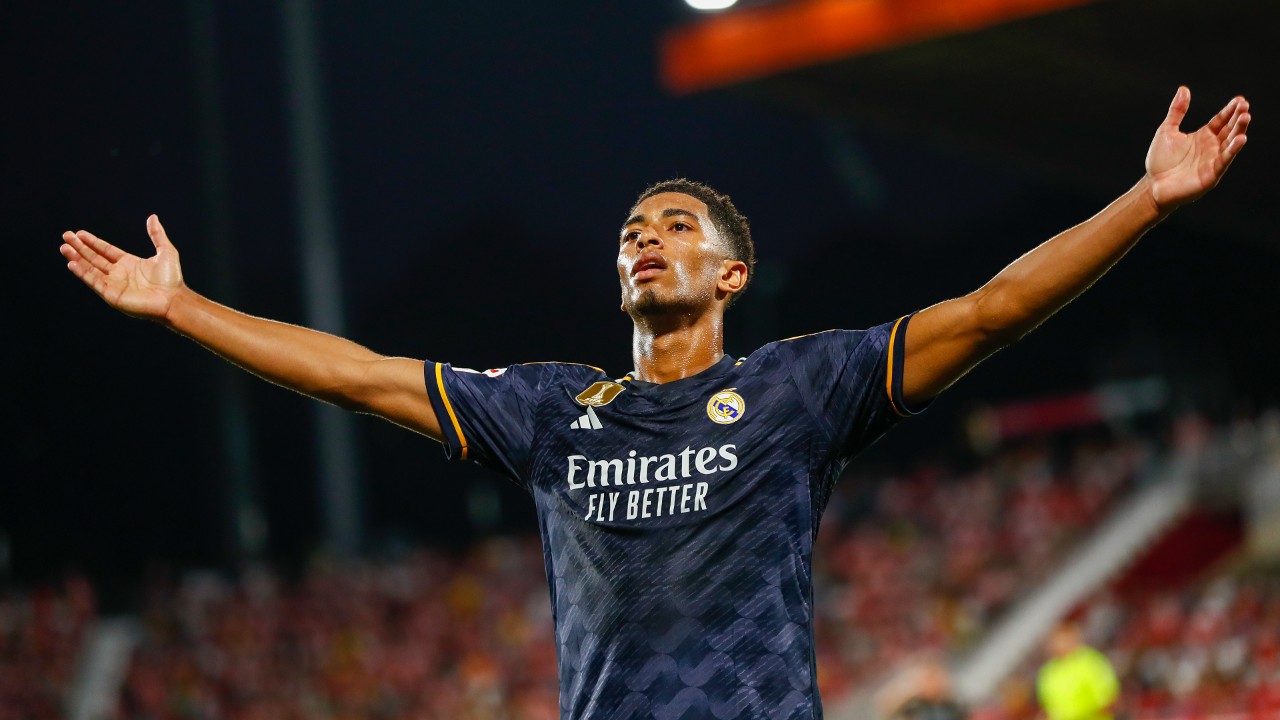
[(726, 407)]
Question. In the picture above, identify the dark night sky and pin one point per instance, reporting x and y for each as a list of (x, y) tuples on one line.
[(484, 155)]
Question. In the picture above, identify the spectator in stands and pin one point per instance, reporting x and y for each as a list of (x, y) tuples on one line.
[(1078, 682), (930, 698)]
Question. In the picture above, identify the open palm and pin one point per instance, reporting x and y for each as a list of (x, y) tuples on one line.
[(139, 287), (1184, 166)]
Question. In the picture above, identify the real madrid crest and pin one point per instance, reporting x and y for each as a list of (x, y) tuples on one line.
[(599, 394), (726, 407)]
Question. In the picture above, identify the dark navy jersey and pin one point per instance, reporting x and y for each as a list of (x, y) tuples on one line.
[(678, 519)]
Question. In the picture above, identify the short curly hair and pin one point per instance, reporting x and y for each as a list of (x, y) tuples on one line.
[(731, 224)]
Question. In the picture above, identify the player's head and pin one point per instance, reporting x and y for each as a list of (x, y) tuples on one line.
[(683, 247)]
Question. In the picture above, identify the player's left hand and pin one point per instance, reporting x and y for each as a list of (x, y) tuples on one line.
[(1184, 166)]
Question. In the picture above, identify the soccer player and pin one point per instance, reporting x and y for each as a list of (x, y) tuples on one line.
[(678, 503)]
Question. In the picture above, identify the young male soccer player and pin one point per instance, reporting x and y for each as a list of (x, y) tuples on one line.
[(678, 504)]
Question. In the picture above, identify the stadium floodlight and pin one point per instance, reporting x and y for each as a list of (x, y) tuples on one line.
[(711, 4)]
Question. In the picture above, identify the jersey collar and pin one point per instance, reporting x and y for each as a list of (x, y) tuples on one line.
[(718, 370)]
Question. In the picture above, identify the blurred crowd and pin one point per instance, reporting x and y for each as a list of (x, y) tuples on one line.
[(1203, 651), (939, 555), (424, 637), (923, 560), (928, 563), (41, 636), (1206, 650)]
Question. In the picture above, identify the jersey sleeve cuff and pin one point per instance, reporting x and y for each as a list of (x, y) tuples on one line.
[(455, 441), (896, 361)]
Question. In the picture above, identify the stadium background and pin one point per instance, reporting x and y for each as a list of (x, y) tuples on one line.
[(482, 156)]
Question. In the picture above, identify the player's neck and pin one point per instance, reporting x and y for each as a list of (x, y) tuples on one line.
[(676, 348)]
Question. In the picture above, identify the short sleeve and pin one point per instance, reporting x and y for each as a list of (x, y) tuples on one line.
[(488, 416), (852, 382)]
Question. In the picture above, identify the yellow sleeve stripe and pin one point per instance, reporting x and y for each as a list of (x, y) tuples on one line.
[(448, 406), (557, 362), (797, 337), (888, 376)]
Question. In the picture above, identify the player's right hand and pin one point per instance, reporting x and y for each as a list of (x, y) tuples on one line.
[(143, 288)]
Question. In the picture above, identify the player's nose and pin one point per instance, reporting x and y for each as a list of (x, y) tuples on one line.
[(648, 239)]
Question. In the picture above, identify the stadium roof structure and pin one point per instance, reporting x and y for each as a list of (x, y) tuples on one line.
[(1066, 90)]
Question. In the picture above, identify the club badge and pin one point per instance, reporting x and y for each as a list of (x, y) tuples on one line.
[(726, 407)]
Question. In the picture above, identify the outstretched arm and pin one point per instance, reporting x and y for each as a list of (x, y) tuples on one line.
[(947, 340), (313, 363)]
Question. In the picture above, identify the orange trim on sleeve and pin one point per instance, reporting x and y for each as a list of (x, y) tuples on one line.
[(888, 375), (448, 406)]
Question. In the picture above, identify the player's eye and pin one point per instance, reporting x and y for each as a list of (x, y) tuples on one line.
[(681, 227), (631, 236)]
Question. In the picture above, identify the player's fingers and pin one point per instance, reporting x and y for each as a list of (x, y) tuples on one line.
[(102, 247), (1238, 127), (159, 237), (1178, 108), (78, 267), (89, 276), (68, 253), (1233, 149), (1220, 130), (87, 253), (1219, 122), (1225, 131), (67, 250)]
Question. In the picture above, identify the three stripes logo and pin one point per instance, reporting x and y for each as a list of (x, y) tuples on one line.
[(588, 421)]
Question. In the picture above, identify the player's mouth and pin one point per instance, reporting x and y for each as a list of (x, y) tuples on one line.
[(648, 265)]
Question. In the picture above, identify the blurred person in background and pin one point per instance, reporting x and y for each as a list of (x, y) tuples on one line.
[(681, 578), (929, 696), (1077, 682)]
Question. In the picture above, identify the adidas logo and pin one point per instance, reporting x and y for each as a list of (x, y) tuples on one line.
[(588, 421)]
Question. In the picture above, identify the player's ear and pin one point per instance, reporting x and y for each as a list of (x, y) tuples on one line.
[(733, 276)]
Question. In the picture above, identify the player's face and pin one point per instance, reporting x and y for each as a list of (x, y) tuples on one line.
[(670, 256)]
